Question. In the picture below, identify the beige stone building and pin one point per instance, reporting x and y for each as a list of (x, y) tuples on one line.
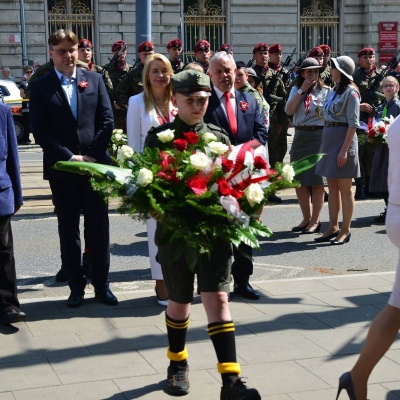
[(346, 25)]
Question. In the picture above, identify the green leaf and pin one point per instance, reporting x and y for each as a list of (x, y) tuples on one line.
[(306, 163)]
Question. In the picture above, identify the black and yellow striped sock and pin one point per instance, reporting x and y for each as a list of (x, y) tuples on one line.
[(222, 334), (177, 338)]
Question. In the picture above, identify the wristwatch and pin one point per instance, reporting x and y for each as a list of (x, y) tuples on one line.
[(300, 92)]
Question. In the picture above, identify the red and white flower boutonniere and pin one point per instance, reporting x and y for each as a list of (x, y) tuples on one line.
[(83, 84), (244, 106)]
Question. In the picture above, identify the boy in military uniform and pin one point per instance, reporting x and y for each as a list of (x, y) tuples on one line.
[(174, 49), (191, 91)]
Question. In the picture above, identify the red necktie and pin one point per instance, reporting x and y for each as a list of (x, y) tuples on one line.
[(231, 113)]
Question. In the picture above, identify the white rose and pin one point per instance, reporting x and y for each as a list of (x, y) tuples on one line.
[(118, 136), (124, 152), (145, 176), (218, 148), (166, 136), (118, 131), (254, 194), (209, 137), (288, 172), (200, 161)]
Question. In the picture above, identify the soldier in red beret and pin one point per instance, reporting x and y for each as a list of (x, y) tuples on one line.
[(174, 48), (325, 74), (202, 54), (317, 53), (226, 47), (364, 77)]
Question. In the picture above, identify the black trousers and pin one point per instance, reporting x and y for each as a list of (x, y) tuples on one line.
[(242, 266), (71, 194), (8, 278)]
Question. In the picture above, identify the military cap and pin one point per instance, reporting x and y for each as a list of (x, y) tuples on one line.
[(174, 43), (275, 48), (226, 47), (260, 47), (85, 44), (117, 45), (345, 65), (252, 73), (325, 48), (191, 83), (201, 45), (145, 46), (316, 52), (240, 64), (367, 51)]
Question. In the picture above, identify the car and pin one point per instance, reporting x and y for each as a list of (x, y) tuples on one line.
[(13, 99)]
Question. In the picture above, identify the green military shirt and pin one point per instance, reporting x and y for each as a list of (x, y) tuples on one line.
[(130, 85), (116, 75), (364, 84), (326, 77)]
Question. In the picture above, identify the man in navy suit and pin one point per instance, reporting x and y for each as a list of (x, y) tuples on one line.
[(245, 123), (10, 203), (72, 121)]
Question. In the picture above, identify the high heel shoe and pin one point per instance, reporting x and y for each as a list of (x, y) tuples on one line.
[(346, 383), (315, 230), (299, 228), (161, 302), (345, 240), (328, 238)]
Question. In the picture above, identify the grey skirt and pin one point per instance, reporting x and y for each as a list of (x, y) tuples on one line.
[(332, 141), (306, 143)]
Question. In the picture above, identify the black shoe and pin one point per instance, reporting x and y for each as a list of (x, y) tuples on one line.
[(346, 383), (178, 379), (246, 291), (299, 228), (273, 198), (75, 299), (62, 275), (360, 193), (106, 296), (237, 390), (12, 317), (381, 219), (345, 240), (328, 238), (315, 230)]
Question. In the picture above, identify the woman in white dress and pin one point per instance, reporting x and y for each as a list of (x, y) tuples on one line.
[(149, 109)]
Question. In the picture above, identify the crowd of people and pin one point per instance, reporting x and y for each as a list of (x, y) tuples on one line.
[(74, 105)]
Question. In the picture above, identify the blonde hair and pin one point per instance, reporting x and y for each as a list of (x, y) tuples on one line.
[(391, 79), (147, 92), (194, 66)]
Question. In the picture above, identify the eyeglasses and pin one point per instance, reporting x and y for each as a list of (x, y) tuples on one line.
[(63, 52), (388, 86), (29, 72)]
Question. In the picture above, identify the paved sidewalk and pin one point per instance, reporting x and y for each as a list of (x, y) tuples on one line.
[(292, 344)]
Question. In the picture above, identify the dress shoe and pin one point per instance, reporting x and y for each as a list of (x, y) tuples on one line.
[(345, 240), (315, 230), (273, 198), (75, 299), (381, 218), (346, 383), (161, 302), (12, 316), (246, 291), (106, 296), (62, 275), (299, 228), (328, 238)]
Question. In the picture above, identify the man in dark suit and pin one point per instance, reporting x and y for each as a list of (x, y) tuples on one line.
[(72, 121), (10, 203), (239, 114)]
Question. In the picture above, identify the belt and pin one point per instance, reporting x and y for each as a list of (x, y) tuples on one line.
[(336, 124), (309, 128)]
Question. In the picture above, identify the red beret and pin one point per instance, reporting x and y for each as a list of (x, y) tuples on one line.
[(316, 52), (201, 45), (225, 47), (174, 43), (367, 51), (117, 45), (275, 48), (145, 46), (260, 47), (325, 48), (84, 44)]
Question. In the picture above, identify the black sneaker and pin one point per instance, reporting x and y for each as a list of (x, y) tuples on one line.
[(381, 219), (62, 275), (178, 379), (237, 390)]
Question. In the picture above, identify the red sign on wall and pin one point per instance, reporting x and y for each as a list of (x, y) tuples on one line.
[(388, 40)]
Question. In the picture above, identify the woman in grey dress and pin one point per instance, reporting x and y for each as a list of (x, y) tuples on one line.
[(305, 103), (339, 142)]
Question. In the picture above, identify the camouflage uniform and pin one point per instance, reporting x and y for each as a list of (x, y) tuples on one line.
[(326, 76), (366, 150), (130, 85), (277, 143), (116, 77), (177, 65)]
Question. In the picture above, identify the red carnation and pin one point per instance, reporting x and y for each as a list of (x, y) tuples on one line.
[(83, 84), (191, 137), (181, 144), (243, 106), (227, 165), (260, 163), (223, 187), (382, 129), (198, 183)]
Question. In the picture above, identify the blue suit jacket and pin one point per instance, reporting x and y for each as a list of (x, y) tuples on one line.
[(10, 181), (250, 123), (57, 131)]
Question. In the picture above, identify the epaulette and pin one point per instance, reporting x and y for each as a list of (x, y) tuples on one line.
[(216, 128), (158, 129)]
